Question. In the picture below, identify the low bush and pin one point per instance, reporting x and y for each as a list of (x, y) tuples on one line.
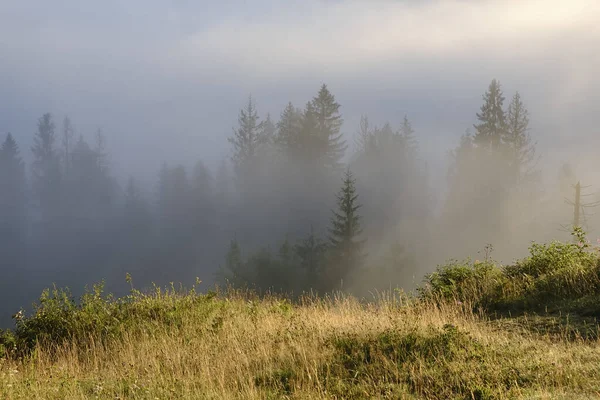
[(555, 276)]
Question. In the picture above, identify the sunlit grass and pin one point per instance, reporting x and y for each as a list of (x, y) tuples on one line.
[(235, 345)]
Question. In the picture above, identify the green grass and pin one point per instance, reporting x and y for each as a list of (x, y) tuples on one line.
[(474, 331)]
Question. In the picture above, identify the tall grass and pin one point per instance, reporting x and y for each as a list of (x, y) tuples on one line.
[(442, 344)]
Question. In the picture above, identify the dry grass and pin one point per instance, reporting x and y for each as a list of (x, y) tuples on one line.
[(230, 347)]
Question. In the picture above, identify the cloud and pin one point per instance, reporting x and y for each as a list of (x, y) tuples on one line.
[(175, 75), (357, 35)]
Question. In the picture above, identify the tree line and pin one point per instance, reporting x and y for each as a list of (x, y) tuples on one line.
[(338, 216)]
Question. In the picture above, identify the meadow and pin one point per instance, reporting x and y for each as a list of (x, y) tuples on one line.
[(473, 330)]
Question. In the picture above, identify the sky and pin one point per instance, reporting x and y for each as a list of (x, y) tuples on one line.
[(166, 79)]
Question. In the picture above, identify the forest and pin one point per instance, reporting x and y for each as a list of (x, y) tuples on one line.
[(299, 205)]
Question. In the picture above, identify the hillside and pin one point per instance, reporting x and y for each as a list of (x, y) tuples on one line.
[(475, 330)]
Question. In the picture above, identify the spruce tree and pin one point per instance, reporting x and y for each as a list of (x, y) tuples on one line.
[(137, 217), (365, 139), (67, 141), (234, 271), (46, 170), (267, 131), (287, 138), (311, 252), (407, 135), (12, 195), (344, 232), (491, 128), (246, 141), (519, 147), (137, 232), (328, 124)]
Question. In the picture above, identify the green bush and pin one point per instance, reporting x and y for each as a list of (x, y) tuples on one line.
[(476, 283), (57, 317), (554, 275)]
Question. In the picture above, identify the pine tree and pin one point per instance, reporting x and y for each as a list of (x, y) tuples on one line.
[(328, 124), (12, 195), (311, 252), (344, 242), (223, 183), (137, 231), (287, 138), (67, 141), (520, 149), (310, 145), (234, 272), (407, 135), (101, 153), (366, 139), (137, 214), (246, 141), (202, 183), (202, 193), (267, 131), (492, 122), (46, 173)]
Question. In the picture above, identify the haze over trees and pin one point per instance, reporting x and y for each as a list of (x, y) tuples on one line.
[(295, 208)]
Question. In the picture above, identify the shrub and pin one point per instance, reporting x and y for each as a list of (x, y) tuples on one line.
[(475, 283), (57, 317), (554, 275)]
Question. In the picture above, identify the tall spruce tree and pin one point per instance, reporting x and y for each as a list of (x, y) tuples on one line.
[(46, 169), (365, 139), (407, 134), (346, 248), (267, 131), (12, 196), (138, 230), (519, 147), (328, 124), (311, 252), (246, 141), (491, 128), (234, 272), (67, 142), (287, 138)]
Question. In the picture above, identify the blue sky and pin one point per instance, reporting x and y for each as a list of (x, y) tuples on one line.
[(165, 80)]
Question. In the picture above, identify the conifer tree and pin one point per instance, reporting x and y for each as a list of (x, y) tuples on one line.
[(202, 184), (407, 135), (366, 139), (12, 195), (519, 147), (234, 271), (137, 216), (138, 230), (491, 129), (287, 138), (202, 193), (46, 173), (246, 141), (345, 229), (311, 146), (311, 252), (67, 141), (223, 183), (328, 122), (267, 131)]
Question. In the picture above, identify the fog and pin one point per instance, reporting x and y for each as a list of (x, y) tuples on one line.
[(160, 196)]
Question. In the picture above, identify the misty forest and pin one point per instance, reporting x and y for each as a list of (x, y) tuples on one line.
[(301, 203)]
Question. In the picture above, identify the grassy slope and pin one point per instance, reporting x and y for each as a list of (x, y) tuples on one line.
[(537, 338), (192, 346)]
